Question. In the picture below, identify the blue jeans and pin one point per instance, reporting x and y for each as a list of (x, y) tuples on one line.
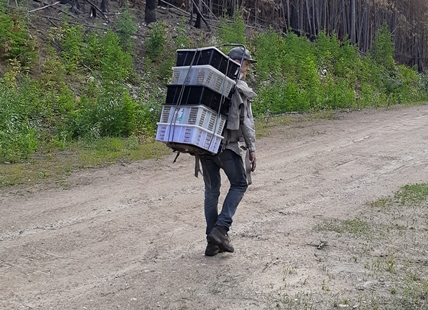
[(233, 166)]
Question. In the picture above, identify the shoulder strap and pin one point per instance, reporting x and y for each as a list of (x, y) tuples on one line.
[(198, 166)]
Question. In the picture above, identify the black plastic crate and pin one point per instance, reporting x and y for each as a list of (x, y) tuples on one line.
[(195, 95), (208, 56)]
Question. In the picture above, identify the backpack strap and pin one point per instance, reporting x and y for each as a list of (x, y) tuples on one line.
[(198, 166), (176, 156)]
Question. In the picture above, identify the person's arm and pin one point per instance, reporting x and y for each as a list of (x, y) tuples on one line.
[(249, 133)]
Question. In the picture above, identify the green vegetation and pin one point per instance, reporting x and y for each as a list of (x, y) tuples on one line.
[(355, 227), (15, 40), (413, 194), (387, 240), (328, 74), (55, 166), (85, 86)]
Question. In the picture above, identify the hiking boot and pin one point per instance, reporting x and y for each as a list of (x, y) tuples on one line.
[(218, 236), (212, 249)]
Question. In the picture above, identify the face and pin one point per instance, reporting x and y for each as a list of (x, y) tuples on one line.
[(244, 67)]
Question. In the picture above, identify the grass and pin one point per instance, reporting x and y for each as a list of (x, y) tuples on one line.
[(355, 227), (49, 166), (412, 194), (268, 123), (381, 253), (57, 162)]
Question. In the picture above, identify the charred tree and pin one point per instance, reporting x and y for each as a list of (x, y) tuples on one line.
[(196, 9), (352, 22), (150, 13), (104, 5)]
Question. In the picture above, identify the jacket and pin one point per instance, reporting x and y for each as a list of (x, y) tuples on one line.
[(240, 121)]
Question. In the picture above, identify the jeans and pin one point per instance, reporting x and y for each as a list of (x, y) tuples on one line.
[(233, 167)]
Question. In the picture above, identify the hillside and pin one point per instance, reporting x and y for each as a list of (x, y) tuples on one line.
[(44, 16), (81, 80)]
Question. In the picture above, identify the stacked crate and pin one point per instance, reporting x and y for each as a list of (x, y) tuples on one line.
[(198, 99)]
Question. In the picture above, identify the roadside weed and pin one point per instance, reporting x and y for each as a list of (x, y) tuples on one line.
[(355, 227), (54, 167), (412, 194), (383, 248)]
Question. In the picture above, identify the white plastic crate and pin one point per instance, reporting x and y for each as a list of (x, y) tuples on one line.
[(204, 75), (199, 115), (188, 134), (196, 125)]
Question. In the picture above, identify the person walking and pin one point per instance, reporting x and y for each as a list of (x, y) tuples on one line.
[(237, 158)]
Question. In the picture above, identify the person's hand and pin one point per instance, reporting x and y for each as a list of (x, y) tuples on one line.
[(252, 157)]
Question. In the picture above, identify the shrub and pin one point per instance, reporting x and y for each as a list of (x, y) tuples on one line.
[(116, 65), (383, 48), (82, 89), (268, 67), (93, 51), (156, 41), (18, 133), (182, 40), (15, 40), (125, 28), (71, 47), (232, 31)]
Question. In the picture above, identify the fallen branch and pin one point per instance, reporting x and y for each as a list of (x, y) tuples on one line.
[(175, 7), (61, 10), (211, 12), (73, 23), (44, 7)]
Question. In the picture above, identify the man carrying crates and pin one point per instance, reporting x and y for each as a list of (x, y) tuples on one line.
[(208, 114), (237, 158)]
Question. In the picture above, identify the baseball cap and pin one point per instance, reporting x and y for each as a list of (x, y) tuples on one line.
[(239, 53)]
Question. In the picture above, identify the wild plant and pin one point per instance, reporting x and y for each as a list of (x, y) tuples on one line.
[(232, 31), (15, 40), (156, 41), (125, 28), (71, 46), (18, 127)]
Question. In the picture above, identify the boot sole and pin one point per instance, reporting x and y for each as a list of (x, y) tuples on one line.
[(217, 240), (212, 253)]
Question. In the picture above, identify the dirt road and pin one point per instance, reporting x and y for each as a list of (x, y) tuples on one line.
[(132, 236)]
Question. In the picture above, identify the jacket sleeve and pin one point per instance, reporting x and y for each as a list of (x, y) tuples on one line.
[(247, 126)]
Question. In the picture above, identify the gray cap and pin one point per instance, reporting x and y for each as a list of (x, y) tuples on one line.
[(239, 52)]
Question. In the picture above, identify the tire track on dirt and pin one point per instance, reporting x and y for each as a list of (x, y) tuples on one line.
[(132, 235)]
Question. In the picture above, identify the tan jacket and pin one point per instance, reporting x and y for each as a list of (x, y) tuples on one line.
[(240, 121)]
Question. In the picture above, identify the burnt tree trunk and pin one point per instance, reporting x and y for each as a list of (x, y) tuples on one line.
[(309, 32), (104, 5), (352, 21), (150, 13), (196, 8)]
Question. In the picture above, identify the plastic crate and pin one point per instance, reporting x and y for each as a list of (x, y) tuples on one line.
[(204, 75), (208, 56), (197, 95), (193, 115), (189, 135), (194, 125)]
